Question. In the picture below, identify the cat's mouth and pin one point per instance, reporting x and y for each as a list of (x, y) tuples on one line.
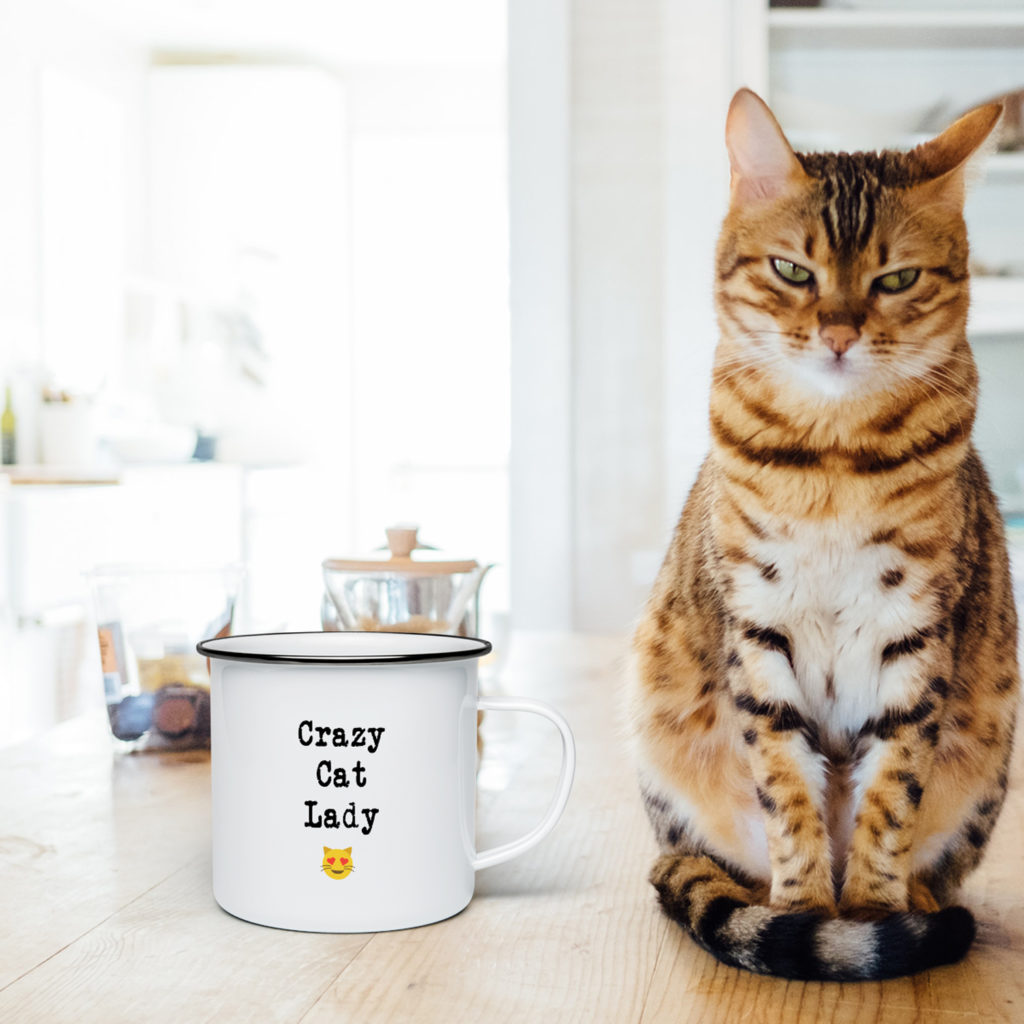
[(831, 375), (837, 364)]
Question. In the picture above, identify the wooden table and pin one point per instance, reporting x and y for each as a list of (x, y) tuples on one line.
[(107, 912)]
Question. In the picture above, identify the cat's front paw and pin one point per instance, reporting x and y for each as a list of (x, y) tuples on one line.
[(820, 908), (872, 904), (866, 912), (817, 899), (802, 883)]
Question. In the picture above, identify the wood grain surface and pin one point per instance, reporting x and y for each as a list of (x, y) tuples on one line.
[(108, 913)]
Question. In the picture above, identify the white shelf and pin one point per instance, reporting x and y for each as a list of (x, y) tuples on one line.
[(997, 307), (812, 27), (1004, 166)]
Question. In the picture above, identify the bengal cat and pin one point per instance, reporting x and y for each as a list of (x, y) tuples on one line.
[(826, 680)]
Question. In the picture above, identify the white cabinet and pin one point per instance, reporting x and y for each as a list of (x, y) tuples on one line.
[(188, 514), (51, 535)]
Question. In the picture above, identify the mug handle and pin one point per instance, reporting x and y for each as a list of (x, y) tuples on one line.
[(497, 854)]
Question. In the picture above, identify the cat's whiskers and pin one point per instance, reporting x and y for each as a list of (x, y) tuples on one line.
[(947, 390), (939, 382), (938, 378), (915, 365), (752, 352)]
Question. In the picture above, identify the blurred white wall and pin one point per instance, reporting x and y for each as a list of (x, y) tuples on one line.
[(618, 185)]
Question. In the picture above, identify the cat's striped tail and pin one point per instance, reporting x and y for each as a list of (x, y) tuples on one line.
[(723, 916)]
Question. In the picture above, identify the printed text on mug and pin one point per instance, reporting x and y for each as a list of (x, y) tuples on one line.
[(330, 774)]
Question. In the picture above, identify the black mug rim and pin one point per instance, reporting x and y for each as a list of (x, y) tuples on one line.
[(477, 649)]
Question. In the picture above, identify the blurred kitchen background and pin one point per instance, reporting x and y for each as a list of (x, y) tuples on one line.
[(275, 276)]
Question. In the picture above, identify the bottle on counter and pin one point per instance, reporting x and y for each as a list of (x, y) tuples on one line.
[(8, 430)]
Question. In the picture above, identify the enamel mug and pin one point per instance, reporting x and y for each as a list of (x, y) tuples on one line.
[(344, 778)]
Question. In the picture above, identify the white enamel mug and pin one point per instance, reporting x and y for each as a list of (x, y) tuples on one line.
[(344, 778)]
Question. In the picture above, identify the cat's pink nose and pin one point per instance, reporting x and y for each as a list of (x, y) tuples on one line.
[(839, 337)]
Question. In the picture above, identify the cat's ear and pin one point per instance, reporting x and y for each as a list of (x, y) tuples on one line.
[(947, 161), (762, 162), (327, 850)]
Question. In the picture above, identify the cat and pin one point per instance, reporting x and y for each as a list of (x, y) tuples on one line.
[(825, 682), (337, 863)]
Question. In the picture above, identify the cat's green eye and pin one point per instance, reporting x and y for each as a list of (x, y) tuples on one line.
[(897, 281), (792, 272)]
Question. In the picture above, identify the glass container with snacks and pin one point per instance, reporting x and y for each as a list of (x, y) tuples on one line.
[(149, 620), (410, 588)]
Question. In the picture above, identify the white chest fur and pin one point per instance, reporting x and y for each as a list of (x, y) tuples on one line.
[(828, 596)]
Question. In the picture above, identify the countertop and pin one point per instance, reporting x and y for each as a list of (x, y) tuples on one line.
[(109, 916)]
